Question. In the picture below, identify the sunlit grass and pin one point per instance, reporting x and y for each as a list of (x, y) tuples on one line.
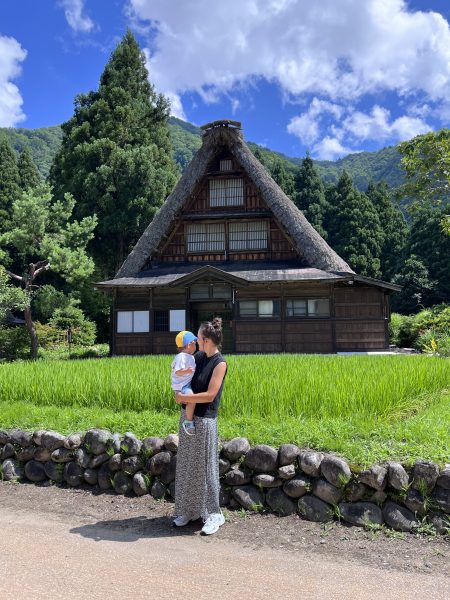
[(365, 407)]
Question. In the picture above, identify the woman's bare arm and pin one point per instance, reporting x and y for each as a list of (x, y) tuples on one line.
[(212, 391)]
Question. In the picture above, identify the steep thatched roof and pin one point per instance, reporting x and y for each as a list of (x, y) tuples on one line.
[(219, 134)]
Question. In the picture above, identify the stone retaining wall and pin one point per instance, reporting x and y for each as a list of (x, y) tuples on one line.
[(288, 480)]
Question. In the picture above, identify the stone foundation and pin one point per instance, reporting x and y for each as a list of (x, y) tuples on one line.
[(287, 480)]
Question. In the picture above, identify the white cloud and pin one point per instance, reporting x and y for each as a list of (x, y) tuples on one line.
[(337, 53), (11, 56), (307, 126), (73, 10), (376, 126), (339, 50), (176, 106), (351, 125), (330, 149)]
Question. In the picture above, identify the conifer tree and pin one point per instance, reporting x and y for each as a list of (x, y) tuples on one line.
[(28, 174), (283, 178), (45, 237), (310, 195), (432, 248), (116, 156), (354, 228), (395, 229), (9, 183)]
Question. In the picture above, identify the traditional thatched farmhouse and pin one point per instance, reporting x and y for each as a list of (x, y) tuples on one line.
[(229, 242)]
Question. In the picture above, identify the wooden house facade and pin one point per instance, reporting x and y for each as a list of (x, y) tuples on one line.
[(229, 242)]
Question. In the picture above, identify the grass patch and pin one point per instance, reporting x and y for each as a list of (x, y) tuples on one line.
[(366, 408)]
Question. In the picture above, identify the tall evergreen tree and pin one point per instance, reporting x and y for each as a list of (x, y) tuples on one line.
[(417, 288), (283, 178), (310, 195), (28, 174), (9, 183), (432, 248), (116, 156), (395, 229), (354, 228)]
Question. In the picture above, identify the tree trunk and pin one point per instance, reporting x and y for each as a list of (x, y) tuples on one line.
[(32, 332)]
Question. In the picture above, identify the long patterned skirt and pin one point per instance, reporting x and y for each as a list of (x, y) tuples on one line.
[(197, 473)]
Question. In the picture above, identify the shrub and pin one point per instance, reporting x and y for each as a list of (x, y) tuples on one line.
[(418, 330), (402, 331), (434, 341), (394, 328), (14, 343), (50, 336), (46, 301), (83, 330)]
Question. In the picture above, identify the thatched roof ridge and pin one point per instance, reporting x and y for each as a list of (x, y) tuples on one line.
[(314, 248)]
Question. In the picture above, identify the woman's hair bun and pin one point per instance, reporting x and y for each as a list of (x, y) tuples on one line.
[(217, 322)]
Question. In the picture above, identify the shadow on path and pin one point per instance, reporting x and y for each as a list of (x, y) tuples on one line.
[(130, 530)]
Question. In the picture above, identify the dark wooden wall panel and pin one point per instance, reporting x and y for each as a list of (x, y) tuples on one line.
[(308, 336), (258, 337), (360, 335)]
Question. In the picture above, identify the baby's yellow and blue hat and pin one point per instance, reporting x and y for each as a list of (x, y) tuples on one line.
[(184, 338)]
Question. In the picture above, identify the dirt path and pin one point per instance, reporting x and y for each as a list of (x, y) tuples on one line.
[(71, 543)]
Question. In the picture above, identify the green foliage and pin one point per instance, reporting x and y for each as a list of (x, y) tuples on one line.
[(185, 141), (426, 160), (43, 144), (83, 330), (42, 228), (46, 300), (9, 183), (11, 297), (354, 228), (310, 195), (28, 173), (116, 155), (283, 178), (364, 167), (428, 330), (433, 248), (395, 229), (14, 343), (414, 278)]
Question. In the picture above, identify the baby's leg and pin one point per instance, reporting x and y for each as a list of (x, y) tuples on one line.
[(190, 408)]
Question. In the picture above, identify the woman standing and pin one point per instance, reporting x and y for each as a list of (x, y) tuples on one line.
[(197, 474)]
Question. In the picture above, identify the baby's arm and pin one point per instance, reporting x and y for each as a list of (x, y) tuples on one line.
[(186, 371)]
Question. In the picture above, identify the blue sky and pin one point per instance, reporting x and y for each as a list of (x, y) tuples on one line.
[(328, 76)]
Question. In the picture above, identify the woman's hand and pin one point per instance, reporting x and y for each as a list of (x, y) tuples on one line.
[(179, 398)]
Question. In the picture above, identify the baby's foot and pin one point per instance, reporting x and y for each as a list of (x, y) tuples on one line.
[(189, 427)]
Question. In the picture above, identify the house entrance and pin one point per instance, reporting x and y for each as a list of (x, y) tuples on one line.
[(206, 311)]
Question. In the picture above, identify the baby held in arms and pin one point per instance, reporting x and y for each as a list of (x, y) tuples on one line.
[(183, 368)]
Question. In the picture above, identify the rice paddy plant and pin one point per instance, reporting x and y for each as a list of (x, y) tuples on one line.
[(269, 386)]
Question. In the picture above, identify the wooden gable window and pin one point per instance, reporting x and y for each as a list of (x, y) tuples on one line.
[(249, 235), (226, 192), (205, 237), (226, 164)]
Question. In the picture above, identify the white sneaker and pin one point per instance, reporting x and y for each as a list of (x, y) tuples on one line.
[(180, 521), (212, 523)]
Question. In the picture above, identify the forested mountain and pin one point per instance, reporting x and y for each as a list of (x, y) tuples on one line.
[(363, 167)]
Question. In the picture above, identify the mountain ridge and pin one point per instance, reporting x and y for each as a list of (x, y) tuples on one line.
[(363, 167)]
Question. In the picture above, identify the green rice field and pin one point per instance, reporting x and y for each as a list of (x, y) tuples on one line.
[(366, 408)]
